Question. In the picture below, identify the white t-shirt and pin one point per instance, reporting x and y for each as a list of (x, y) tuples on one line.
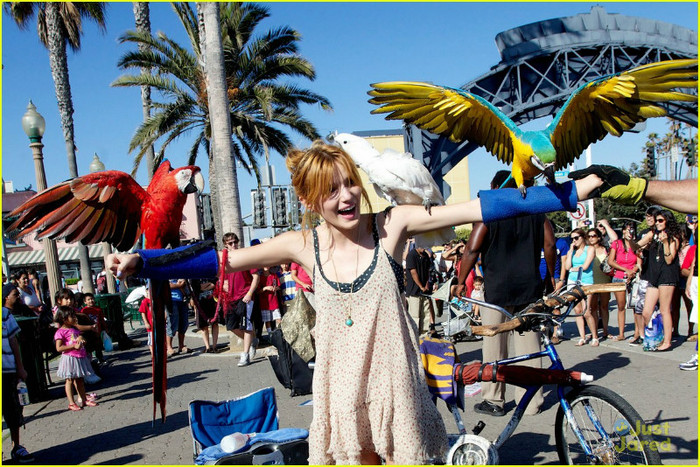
[(29, 299)]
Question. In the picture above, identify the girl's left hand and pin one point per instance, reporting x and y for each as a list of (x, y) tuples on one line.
[(663, 236)]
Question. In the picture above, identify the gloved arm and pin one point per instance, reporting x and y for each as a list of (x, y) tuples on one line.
[(618, 186)]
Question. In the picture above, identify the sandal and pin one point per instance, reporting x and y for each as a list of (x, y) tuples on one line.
[(74, 407), (171, 352), (184, 349), (90, 403), (617, 338), (595, 343), (581, 342)]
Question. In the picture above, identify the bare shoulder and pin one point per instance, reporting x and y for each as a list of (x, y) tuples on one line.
[(391, 227), (299, 244)]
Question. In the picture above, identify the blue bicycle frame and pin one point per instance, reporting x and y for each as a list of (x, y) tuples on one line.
[(550, 352)]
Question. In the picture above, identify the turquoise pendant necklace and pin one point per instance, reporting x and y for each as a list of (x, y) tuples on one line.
[(348, 321)]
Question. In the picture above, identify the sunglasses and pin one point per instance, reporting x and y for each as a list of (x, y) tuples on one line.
[(575, 237), (235, 242), (592, 236), (660, 221)]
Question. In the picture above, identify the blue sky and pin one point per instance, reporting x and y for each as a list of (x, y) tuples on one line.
[(350, 44)]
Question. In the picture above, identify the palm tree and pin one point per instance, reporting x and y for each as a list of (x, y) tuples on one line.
[(60, 24), (260, 103), (142, 19), (219, 117)]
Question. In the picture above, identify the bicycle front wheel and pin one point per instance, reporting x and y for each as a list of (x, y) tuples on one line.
[(626, 442)]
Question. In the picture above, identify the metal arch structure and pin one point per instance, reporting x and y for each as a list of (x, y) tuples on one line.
[(543, 63)]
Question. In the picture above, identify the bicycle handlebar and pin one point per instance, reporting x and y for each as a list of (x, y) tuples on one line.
[(573, 295)]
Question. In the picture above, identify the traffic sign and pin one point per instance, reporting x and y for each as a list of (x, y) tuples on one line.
[(580, 212)]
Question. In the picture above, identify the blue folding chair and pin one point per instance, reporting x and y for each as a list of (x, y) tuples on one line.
[(254, 413)]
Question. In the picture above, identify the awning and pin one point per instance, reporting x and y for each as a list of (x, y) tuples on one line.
[(34, 257)]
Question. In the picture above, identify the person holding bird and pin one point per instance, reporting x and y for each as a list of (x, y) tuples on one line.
[(376, 404)]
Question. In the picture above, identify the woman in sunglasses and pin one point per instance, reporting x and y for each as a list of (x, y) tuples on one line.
[(626, 264), (599, 302), (663, 274), (579, 263)]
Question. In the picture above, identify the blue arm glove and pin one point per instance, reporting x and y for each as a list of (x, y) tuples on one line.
[(186, 262), (508, 202)]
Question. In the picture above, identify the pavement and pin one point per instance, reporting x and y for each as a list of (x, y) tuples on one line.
[(120, 429)]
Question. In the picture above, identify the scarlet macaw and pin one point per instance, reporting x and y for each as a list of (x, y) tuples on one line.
[(612, 104), (110, 206)]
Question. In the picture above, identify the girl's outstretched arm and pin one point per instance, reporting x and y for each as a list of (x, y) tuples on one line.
[(202, 259), (495, 205)]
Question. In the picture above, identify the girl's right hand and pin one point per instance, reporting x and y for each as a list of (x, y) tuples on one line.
[(122, 265)]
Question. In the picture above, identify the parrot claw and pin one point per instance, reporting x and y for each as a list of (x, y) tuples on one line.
[(523, 190), (427, 205), (549, 174)]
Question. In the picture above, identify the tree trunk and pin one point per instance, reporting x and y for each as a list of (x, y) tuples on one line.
[(142, 19), (220, 121), (58, 60), (216, 212)]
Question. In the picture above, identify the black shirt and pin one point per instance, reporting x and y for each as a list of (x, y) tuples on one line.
[(421, 263), (644, 274), (511, 260)]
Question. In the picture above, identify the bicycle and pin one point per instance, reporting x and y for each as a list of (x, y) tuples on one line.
[(593, 424)]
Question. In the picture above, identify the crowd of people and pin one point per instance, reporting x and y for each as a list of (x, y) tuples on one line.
[(656, 263)]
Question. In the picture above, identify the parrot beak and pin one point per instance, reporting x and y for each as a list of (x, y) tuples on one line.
[(196, 183), (537, 163)]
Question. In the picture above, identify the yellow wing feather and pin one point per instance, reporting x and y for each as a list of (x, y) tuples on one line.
[(616, 104), (445, 112)]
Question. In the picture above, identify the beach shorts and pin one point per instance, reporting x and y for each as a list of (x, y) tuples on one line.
[(238, 315), (270, 315), (178, 319)]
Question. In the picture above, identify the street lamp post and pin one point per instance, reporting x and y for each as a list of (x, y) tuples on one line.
[(97, 166), (34, 125)]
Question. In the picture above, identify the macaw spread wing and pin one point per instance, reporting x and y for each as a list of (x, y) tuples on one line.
[(453, 113), (104, 206), (616, 103)]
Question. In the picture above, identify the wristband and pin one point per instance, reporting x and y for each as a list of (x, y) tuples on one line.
[(185, 262), (508, 202)]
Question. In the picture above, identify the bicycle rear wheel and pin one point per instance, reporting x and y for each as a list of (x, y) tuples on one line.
[(627, 445)]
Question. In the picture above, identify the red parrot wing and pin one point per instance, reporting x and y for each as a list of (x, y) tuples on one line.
[(104, 206)]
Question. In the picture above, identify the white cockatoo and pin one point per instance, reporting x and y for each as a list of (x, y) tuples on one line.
[(399, 178)]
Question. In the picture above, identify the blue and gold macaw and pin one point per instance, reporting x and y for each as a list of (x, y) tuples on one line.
[(612, 105)]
